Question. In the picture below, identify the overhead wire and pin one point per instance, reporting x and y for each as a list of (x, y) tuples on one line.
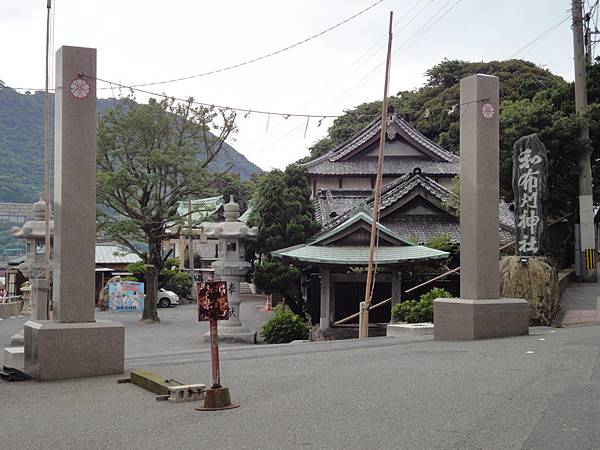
[(540, 37), (268, 55), (343, 76)]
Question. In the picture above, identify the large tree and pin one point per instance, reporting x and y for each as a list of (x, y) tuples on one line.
[(284, 213), (149, 158)]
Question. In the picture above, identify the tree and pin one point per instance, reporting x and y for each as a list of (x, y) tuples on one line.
[(149, 158), (284, 214)]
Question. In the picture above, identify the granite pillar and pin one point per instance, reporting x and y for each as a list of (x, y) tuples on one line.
[(479, 313), (74, 344)]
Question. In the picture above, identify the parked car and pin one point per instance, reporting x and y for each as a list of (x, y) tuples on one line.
[(167, 298)]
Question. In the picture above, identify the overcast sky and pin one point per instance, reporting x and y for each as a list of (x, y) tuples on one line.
[(144, 40)]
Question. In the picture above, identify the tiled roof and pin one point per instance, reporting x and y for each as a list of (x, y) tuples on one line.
[(358, 255), (395, 124), (423, 228), (391, 166), (327, 205), (441, 161)]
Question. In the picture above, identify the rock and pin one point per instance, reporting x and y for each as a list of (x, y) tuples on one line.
[(534, 280)]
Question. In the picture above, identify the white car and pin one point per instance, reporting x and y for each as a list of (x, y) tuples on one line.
[(167, 298)]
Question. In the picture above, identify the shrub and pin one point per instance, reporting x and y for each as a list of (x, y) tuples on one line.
[(412, 311), (284, 327), (180, 283)]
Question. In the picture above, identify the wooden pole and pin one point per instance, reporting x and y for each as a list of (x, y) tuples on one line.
[(194, 291), (47, 154), (363, 331)]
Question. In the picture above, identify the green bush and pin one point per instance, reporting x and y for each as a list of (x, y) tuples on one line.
[(412, 311), (180, 283), (284, 327)]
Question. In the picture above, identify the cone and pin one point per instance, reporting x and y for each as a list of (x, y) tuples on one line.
[(217, 399)]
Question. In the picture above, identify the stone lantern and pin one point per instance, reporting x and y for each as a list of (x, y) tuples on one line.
[(34, 234), (232, 267)]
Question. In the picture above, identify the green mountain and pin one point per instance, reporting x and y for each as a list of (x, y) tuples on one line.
[(22, 146)]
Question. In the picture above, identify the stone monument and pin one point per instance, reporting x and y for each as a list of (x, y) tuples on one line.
[(530, 181), (74, 344), (479, 313), (232, 267)]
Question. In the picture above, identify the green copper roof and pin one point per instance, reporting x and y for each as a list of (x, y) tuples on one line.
[(358, 255)]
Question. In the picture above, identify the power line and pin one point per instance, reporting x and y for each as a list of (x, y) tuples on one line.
[(253, 60), (540, 37)]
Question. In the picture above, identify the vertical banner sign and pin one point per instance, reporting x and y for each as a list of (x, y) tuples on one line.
[(530, 181), (213, 306)]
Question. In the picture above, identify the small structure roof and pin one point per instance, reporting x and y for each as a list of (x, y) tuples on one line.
[(337, 246), (114, 254), (359, 256), (202, 208)]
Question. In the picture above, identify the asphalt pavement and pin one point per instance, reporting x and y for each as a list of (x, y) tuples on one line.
[(540, 391)]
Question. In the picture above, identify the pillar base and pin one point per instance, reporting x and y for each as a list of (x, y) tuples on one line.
[(462, 319), (217, 399), (56, 351)]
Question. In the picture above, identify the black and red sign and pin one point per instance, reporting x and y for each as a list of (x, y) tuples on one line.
[(212, 301)]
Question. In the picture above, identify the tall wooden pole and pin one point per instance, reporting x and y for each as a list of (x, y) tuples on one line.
[(194, 291), (586, 217), (47, 153), (363, 330)]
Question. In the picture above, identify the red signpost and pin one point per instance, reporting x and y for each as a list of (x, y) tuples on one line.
[(213, 306)]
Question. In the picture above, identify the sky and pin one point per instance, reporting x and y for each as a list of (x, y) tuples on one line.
[(140, 41)]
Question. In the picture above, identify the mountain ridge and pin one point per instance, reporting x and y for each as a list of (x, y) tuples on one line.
[(22, 146)]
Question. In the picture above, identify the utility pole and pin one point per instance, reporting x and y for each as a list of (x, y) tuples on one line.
[(586, 215), (363, 319), (47, 248)]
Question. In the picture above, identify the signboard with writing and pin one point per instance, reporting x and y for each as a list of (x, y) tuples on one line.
[(530, 179), (126, 296), (212, 301)]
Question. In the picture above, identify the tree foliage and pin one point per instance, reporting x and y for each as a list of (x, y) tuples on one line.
[(149, 158), (284, 214)]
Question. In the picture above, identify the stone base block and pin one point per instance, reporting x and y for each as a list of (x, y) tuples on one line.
[(480, 319), (11, 309), (409, 329), (14, 357), (55, 351), (242, 337)]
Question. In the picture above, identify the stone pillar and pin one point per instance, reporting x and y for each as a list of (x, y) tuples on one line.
[(74, 344), (324, 320), (479, 313), (74, 186)]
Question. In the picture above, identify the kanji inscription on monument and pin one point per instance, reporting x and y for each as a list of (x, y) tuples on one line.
[(530, 178)]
